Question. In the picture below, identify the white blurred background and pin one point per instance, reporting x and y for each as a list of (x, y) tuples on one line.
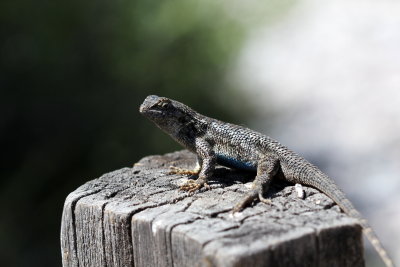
[(330, 72)]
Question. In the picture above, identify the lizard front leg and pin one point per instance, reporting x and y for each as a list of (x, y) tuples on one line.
[(207, 160), (266, 170)]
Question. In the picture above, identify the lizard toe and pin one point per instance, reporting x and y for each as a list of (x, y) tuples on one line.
[(246, 201), (191, 186), (177, 170), (264, 200)]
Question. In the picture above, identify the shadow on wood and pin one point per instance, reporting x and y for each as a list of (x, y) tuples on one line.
[(138, 217)]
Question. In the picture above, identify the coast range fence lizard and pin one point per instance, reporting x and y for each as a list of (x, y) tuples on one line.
[(217, 142)]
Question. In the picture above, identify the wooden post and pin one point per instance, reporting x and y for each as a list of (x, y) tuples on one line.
[(139, 217)]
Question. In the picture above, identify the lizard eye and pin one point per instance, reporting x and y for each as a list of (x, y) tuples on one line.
[(164, 103)]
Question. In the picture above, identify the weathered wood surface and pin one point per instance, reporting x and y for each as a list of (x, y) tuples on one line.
[(138, 217)]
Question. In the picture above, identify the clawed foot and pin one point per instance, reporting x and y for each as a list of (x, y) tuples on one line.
[(176, 170), (250, 198), (193, 185)]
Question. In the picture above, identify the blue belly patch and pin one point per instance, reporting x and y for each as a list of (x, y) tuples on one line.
[(235, 163)]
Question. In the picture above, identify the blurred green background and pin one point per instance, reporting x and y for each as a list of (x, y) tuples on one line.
[(72, 77)]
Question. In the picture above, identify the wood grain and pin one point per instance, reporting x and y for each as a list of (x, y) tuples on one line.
[(138, 217)]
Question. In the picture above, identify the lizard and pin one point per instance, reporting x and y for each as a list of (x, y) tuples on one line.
[(217, 142)]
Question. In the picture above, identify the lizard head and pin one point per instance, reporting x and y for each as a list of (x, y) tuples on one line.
[(170, 115)]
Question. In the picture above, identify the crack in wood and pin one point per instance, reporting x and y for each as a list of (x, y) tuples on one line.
[(144, 220)]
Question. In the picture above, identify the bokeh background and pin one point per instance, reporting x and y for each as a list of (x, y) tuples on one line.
[(323, 78)]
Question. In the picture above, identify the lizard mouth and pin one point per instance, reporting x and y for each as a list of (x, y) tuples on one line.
[(148, 104), (149, 112)]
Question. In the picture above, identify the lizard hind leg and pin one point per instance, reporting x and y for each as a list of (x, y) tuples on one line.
[(266, 170)]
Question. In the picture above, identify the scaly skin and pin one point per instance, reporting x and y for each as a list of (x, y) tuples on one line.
[(238, 147)]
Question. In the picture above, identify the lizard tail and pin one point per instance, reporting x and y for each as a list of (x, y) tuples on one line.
[(372, 237), (328, 187)]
